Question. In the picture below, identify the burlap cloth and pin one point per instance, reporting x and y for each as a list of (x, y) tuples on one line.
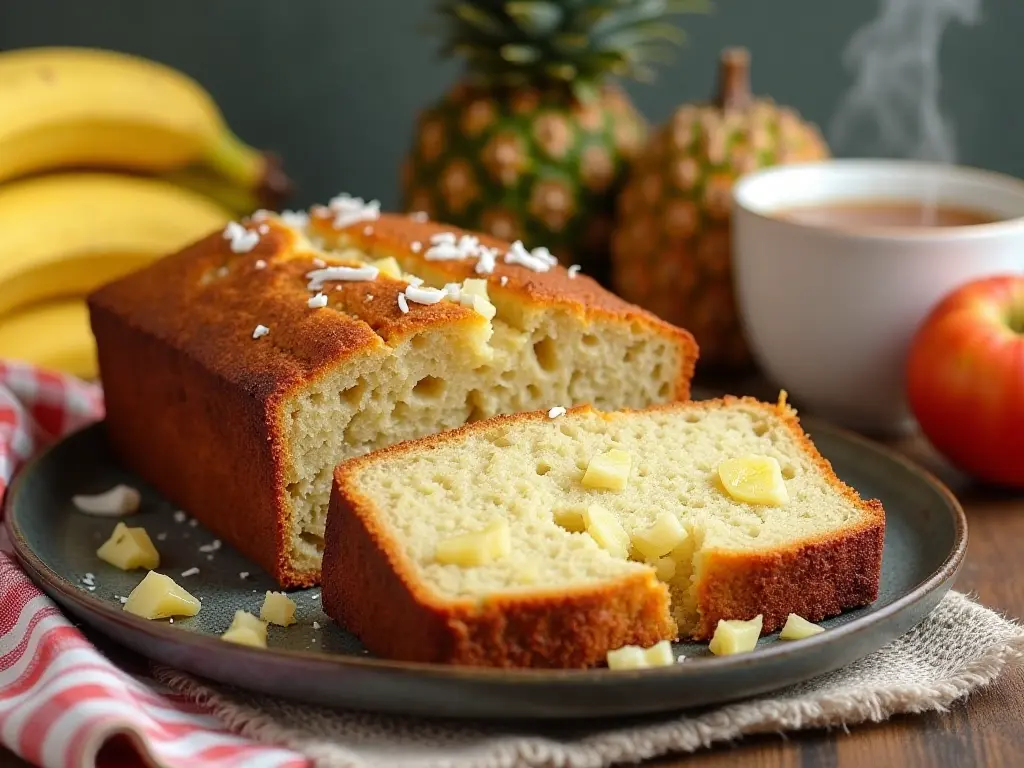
[(959, 648)]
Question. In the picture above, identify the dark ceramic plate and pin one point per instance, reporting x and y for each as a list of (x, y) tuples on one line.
[(924, 546)]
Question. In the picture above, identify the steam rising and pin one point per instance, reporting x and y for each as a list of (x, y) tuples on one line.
[(892, 109)]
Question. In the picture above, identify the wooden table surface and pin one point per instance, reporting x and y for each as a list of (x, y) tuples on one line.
[(985, 730)]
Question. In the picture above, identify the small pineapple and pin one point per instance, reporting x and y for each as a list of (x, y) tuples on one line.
[(671, 245), (534, 143)]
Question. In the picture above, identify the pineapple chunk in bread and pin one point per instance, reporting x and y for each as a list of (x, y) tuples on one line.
[(243, 430), (558, 597)]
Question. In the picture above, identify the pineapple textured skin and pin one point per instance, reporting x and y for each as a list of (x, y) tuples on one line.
[(539, 166), (671, 248)]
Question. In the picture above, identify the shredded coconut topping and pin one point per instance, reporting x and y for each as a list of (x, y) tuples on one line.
[(574, 270), (190, 572), (316, 625), (419, 216), (298, 219), (350, 210), (424, 295), (317, 302), (261, 264), (402, 303), (243, 574), (444, 252), (454, 291), (367, 230), (180, 516), (504, 280), (318, 277), (263, 229), (414, 281), (538, 260), (319, 263), (242, 239), (416, 246), (557, 411), (487, 261), (260, 332), (446, 247)]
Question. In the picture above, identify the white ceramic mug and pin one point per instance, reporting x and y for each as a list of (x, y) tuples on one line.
[(830, 312)]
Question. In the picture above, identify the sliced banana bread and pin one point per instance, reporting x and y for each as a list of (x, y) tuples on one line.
[(548, 539), (240, 371)]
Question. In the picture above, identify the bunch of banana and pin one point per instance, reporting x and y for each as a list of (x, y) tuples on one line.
[(84, 107), (62, 235), (107, 162)]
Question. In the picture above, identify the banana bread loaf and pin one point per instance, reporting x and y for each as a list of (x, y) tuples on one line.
[(239, 371), (549, 539)]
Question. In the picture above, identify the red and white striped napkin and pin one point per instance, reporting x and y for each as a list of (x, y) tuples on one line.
[(63, 704)]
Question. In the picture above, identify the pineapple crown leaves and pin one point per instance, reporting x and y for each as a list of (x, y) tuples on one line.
[(570, 43)]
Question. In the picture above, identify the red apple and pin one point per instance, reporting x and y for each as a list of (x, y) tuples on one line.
[(965, 379)]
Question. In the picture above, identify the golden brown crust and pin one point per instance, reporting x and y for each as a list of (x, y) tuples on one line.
[(368, 588), (814, 579), (365, 570), (582, 296), (167, 415), (187, 302)]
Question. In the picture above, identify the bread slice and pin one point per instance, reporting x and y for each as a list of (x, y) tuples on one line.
[(556, 597), (244, 433)]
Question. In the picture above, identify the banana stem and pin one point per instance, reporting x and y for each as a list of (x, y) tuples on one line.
[(248, 168)]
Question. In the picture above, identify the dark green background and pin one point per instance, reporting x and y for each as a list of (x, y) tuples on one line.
[(334, 85)]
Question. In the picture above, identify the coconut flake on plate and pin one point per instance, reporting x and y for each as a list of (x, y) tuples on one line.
[(115, 502)]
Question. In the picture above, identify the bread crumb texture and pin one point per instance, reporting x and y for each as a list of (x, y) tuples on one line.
[(529, 470)]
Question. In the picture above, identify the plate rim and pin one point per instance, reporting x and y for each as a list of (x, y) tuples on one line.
[(778, 652)]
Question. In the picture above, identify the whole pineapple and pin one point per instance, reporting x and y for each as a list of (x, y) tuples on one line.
[(533, 144), (671, 245)]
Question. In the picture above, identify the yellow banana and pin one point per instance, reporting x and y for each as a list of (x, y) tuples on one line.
[(54, 335), (64, 234), (86, 107)]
